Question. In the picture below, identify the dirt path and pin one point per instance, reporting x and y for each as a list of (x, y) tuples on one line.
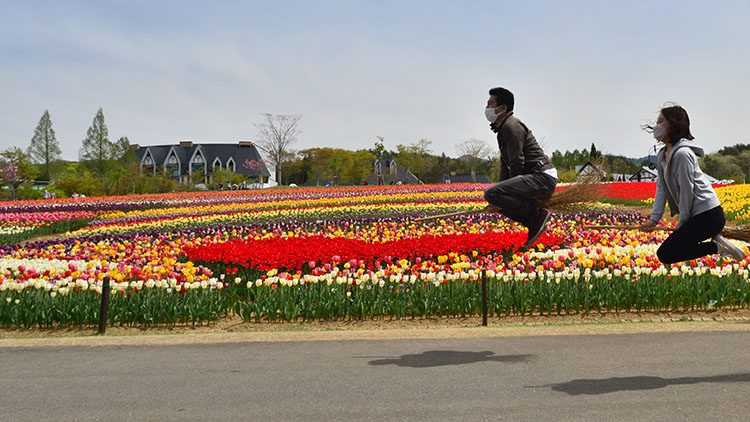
[(42, 238), (235, 330)]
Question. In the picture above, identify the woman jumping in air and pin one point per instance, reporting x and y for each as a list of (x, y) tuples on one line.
[(682, 184)]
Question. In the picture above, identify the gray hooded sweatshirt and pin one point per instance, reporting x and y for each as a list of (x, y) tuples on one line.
[(685, 187)]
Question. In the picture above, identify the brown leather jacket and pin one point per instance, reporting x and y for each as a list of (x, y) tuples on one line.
[(519, 151)]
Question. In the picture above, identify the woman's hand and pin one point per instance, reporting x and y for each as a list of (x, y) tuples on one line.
[(648, 226)]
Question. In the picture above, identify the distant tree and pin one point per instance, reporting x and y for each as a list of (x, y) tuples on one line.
[(119, 167), (133, 177), (335, 165), (568, 159), (16, 169), (379, 152), (414, 157), (593, 153), (116, 179), (256, 168), (722, 166), (296, 169), (158, 183), (44, 149), (476, 150), (97, 149), (318, 164), (619, 164), (494, 170), (122, 150), (358, 167), (558, 161), (77, 178), (276, 134), (567, 176), (11, 177), (221, 179), (735, 150), (744, 163)]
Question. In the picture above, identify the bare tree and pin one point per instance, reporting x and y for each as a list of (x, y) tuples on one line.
[(275, 134), (475, 150)]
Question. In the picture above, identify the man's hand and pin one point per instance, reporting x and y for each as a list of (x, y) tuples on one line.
[(648, 226)]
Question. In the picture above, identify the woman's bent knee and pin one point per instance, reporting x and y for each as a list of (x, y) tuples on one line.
[(665, 255)]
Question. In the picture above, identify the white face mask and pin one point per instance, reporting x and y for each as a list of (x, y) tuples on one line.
[(659, 132), (490, 114)]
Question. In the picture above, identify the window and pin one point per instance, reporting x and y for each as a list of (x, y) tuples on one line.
[(148, 165), (172, 167)]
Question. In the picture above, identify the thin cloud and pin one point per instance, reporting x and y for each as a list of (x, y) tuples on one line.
[(591, 72)]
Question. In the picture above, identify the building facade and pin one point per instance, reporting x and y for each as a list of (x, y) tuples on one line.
[(181, 161), (388, 172)]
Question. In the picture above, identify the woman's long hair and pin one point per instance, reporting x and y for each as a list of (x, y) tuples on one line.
[(679, 123)]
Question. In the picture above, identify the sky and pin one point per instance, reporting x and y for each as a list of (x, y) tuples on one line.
[(581, 71)]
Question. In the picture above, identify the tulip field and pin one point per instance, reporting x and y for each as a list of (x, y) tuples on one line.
[(345, 253)]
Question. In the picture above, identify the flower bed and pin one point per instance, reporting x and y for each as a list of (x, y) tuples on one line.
[(353, 253)]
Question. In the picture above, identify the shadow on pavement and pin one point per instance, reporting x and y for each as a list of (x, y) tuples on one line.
[(611, 385), (447, 357)]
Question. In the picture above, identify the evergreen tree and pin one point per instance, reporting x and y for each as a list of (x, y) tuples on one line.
[(594, 154), (97, 149), (558, 160), (44, 148), (122, 151)]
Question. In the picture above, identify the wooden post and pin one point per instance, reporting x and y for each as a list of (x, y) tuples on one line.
[(104, 310), (484, 301)]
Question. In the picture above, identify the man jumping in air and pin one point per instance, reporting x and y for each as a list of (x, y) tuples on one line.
[(526, 174)]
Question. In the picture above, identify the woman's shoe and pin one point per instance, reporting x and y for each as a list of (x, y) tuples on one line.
[(728, 249)]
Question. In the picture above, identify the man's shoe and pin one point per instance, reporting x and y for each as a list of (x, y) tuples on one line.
[(536, 228), (727, 249)]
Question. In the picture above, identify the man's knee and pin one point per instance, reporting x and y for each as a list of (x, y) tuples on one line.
[(497, 197), (491, 195)]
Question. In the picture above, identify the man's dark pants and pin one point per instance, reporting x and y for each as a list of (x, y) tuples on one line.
[(518, 197)]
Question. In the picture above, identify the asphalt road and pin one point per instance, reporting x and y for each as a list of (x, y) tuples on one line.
[(668, 376)]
